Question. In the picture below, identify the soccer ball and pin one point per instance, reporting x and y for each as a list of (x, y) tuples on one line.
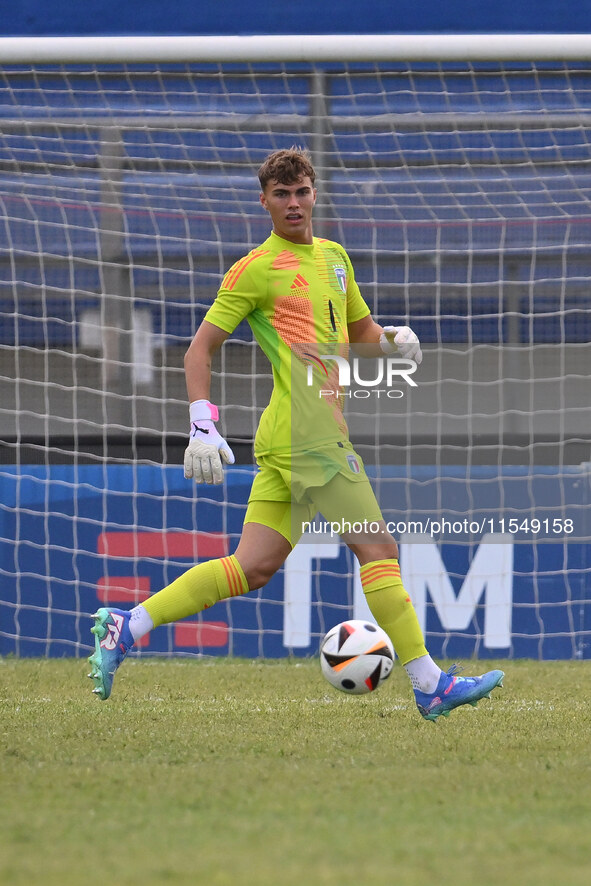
[(356, 656)]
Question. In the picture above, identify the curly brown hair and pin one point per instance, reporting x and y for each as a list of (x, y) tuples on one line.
[(286, 166)]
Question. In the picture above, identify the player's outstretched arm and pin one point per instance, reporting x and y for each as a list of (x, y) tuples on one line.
[(207, 449)]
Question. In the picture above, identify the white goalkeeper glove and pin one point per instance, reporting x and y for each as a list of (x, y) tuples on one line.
[(403, 340), (206, 449)]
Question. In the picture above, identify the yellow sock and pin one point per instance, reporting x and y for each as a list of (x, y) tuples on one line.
[(392, 608), (197, 589)]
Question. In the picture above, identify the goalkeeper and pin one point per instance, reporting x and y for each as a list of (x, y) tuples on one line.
[(299, 295)]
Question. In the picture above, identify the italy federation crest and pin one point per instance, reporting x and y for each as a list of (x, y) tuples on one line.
[(353, 464), (341, 277)]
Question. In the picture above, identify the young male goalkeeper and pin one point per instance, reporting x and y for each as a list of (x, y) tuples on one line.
[(299, 295)]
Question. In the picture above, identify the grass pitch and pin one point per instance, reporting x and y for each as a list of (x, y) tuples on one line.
[(257, 773)]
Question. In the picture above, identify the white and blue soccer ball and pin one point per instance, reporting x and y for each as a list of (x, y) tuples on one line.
[(356, 656)]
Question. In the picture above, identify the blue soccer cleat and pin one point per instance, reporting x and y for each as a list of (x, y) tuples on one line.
[(112, 641), (453, 691)]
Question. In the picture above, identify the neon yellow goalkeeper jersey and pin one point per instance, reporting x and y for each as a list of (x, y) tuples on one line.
[(298, 300)]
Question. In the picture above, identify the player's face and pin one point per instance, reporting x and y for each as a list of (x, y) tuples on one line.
[(290, 208)]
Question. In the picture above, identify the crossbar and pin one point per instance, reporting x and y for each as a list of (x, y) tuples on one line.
[(296, 48)]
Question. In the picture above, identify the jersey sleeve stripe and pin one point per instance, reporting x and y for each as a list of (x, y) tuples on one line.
[(235, 272)]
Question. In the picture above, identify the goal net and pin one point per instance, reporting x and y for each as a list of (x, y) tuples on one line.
[(461, 189)]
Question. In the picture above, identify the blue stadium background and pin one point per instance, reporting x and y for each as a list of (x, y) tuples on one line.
[(426, 218), (306, 17), (178, 196)]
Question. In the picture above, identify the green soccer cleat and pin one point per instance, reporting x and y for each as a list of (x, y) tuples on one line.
[(112, 641)]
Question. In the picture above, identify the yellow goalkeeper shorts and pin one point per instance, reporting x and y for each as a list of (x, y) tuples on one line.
[(289, 491)]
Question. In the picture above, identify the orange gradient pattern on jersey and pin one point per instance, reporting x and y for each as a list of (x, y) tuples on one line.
[(293, 319)]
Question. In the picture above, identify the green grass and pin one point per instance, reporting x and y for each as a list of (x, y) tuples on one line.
[(258, 773)]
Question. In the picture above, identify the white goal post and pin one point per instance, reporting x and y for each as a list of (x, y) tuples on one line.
[(291, 48), (454, 169)]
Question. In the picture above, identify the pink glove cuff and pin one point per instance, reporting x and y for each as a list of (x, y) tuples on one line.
[(199, 410)]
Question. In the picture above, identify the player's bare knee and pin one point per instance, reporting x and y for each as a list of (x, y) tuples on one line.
[(259, 567), (261, 552), (258, 574), (384, 548)]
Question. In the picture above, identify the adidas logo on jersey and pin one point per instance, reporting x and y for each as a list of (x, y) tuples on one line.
[(300, 285)]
